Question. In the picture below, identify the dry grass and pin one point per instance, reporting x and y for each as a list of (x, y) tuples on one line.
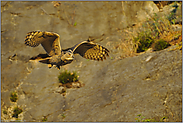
[(155, 28)]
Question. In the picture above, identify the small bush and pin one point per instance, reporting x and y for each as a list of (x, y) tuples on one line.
[(143, 41), (160, 45), (67, 77), (13, 97), (16, 112)]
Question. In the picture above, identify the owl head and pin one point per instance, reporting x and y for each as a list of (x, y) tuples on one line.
[(67, 56)]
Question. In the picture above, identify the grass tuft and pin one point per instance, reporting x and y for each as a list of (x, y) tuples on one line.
[(5, 112), (13, 97), (143, 41), (160, 45), (63, 116), (44, 119), (16, 112), (157, 32), (142, 119)]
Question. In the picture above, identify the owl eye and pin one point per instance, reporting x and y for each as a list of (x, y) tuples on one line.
[(69, 54)]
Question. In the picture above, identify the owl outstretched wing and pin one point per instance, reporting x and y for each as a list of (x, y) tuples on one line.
[(50, 41), (90, 50)]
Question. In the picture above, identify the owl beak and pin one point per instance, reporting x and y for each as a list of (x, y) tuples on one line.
[(71, 58)]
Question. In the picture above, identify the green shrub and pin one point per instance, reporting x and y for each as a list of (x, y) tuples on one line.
[(13, 97), (67, 77), (16, 112), (143, 41), (160, 45)]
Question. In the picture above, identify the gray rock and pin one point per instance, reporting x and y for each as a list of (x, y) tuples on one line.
[(115, 89)]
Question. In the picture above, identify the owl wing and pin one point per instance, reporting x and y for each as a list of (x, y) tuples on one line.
[(90, 50), (50, 41)]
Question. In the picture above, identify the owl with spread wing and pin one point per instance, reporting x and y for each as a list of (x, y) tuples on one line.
[(51, 43)]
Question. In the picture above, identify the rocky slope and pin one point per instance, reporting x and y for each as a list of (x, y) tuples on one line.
[(114, 90)]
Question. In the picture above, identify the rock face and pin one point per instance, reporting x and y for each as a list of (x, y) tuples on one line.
[(114, 90)]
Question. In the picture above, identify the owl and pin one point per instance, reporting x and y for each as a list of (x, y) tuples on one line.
[(51, 43)]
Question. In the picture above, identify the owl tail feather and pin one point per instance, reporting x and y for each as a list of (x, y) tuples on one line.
[(46, 61)]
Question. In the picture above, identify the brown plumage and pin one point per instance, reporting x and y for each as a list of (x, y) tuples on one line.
[(51, 43)]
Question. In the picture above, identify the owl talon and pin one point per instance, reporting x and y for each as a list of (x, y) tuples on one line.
[(58, 67), (50, 65)]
